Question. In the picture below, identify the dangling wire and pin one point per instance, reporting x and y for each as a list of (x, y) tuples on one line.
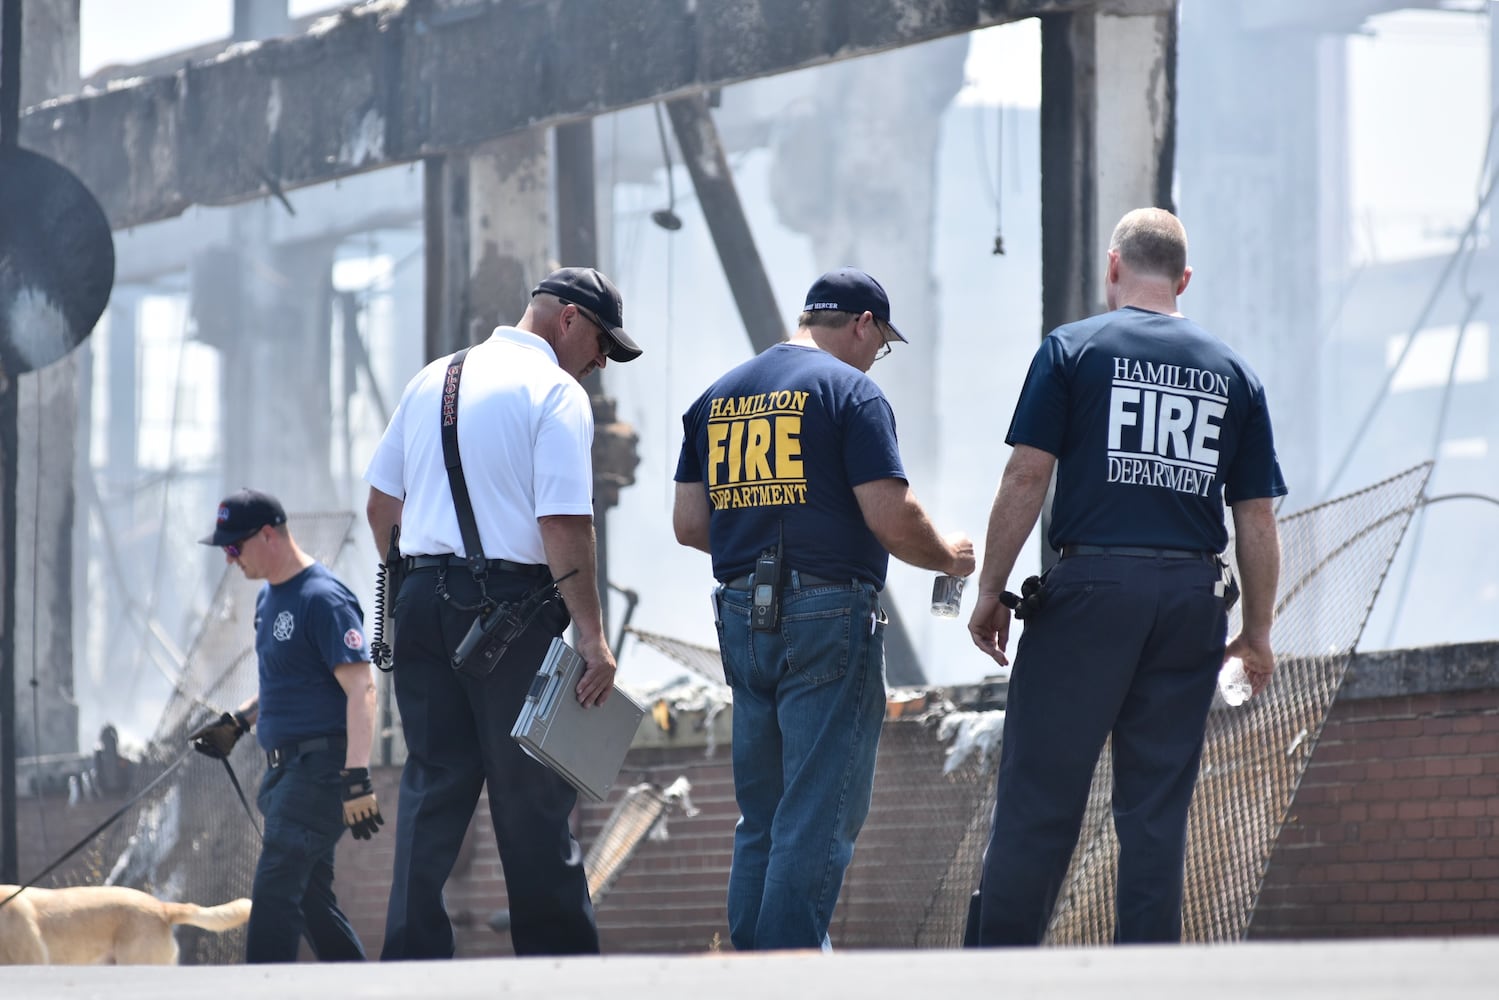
[(36, 712), (994, 181), (667, 217), (999, 182)]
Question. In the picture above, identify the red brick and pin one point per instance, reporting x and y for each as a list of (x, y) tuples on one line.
[(1410, 892), (1484, 743), (1411, 810), (1470, 849), (1426, 912), (1411, 767), (1443, 807), (1439, 767), (1353, 812)]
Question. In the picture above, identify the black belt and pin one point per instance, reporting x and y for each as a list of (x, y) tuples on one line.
[(492, 565), (800, 579), (291, 751), (1137, 551)]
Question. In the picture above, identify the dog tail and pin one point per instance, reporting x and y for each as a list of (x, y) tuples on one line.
[(224, 917)]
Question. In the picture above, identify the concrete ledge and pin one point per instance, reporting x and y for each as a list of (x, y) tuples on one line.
[(1427, 670), (1450, 968)]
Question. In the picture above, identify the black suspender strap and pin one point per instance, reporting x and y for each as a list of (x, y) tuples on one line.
[(459, 486)]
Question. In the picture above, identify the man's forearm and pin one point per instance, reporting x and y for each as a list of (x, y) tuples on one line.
[(360, 721), (901, 525), (383, 512), (1257, 547), (1017, 504), (569, 543)]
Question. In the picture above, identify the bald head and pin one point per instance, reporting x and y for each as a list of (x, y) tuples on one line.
[(1151, 242)]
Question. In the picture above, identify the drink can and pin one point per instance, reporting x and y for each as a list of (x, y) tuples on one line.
[(947, 595)]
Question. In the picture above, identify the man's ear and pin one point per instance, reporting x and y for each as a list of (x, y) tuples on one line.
[(1186, 279)]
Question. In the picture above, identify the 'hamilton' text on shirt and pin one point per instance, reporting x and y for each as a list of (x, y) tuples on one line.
[(1164, 422), (755, 450)]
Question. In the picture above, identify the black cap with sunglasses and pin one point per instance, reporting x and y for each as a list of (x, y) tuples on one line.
[(242, 514), (599, 300)]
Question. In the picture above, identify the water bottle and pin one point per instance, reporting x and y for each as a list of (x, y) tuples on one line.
[(1233, 682), (947, 595)]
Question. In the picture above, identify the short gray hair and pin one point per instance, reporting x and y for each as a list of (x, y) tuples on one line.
[(1152, 241)]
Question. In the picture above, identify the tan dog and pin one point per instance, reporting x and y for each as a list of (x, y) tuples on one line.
[(101, 925)]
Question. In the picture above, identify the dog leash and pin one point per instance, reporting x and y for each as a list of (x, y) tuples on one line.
[(234, 780), (103, 826)]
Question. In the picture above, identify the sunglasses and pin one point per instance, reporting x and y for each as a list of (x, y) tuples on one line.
[(233, 551), (606, 342)]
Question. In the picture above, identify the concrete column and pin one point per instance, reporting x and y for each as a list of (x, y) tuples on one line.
[(488, 225), (1108, 133)]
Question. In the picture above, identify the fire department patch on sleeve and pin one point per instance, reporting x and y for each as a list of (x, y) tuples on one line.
[(353, 638)]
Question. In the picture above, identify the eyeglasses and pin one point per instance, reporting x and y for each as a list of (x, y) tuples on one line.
[(606, 343), (887, 343)]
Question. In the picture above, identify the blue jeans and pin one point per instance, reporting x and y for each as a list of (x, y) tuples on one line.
[(302, 802), (809, 699), (1128, 647)]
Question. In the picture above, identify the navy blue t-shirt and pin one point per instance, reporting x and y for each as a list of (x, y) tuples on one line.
[(303, 629), (1155, 424), (780, 442)]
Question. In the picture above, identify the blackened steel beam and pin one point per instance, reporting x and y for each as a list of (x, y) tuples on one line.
[(703, 153), (397, 80)]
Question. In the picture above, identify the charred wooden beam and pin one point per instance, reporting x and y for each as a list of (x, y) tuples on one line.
[(393, 81), (714, 182)]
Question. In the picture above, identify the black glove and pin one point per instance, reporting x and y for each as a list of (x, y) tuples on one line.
[(361, 811), (217, 738)]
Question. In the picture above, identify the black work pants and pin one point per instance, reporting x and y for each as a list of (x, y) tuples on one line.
[(1127, 646), (458, 740)]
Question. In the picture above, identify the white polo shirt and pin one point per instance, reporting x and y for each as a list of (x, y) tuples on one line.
[(525, 435)]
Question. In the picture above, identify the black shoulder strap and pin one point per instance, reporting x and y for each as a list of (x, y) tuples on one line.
[(459, 486)]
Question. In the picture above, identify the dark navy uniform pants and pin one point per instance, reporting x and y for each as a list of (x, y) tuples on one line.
[(1129, 646), (302, 802), (458, 740)]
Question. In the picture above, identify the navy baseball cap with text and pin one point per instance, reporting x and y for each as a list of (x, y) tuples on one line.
[(851, 290), (242, 514), (600, 301)]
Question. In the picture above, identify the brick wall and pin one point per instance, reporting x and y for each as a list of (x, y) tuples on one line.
[(1392, 832), (671, 896)]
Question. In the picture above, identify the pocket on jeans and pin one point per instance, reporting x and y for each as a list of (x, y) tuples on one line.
[(817, 644)]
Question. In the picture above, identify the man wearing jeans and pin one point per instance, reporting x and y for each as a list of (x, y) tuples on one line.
[(314, 715), (791, 479)]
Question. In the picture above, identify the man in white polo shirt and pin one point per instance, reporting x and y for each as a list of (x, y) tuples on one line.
[(524, 435)]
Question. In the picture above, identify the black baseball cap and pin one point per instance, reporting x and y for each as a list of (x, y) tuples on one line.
[(596, 295), (242, 514), (851, 290)]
